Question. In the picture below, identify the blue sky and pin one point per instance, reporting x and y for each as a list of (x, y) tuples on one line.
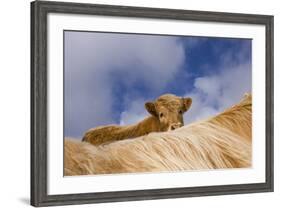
[(109, 76)]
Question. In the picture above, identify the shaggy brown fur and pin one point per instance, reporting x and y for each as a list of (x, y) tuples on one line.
[(166, 114), (238, 118), (218, 142)]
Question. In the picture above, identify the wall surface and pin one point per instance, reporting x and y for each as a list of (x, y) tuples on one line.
[(15, 101)]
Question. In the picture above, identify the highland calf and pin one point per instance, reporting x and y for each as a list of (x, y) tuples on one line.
[(166, 114)]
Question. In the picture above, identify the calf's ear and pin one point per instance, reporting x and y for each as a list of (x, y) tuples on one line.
[(186, 103), (150, 107)]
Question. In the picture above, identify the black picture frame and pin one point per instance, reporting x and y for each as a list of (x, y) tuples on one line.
[(39, 98)]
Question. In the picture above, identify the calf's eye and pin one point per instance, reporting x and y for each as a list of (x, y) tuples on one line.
[(161, 115)]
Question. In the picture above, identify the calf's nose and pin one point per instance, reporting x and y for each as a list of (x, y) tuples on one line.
[(175, 126)]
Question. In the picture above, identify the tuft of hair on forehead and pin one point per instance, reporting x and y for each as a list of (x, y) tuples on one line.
[(170, 101)]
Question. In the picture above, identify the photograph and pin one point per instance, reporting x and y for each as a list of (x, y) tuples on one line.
[(142, 103)]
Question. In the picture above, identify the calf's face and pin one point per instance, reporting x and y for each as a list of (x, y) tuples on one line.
[(169, 110)]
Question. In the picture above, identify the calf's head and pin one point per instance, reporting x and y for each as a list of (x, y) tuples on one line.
[(169, 110)]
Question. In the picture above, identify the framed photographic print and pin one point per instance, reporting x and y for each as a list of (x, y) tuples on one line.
[(131, 103)]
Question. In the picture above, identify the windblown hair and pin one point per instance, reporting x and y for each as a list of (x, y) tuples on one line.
[(168, 103), (223, 141), (238, 118)]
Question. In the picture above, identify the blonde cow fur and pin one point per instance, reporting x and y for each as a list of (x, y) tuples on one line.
[(223, 141), (166, 114)]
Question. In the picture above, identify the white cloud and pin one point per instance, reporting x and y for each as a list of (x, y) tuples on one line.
[(93, 58), (212, 94), (134, 113), (208, 85)]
